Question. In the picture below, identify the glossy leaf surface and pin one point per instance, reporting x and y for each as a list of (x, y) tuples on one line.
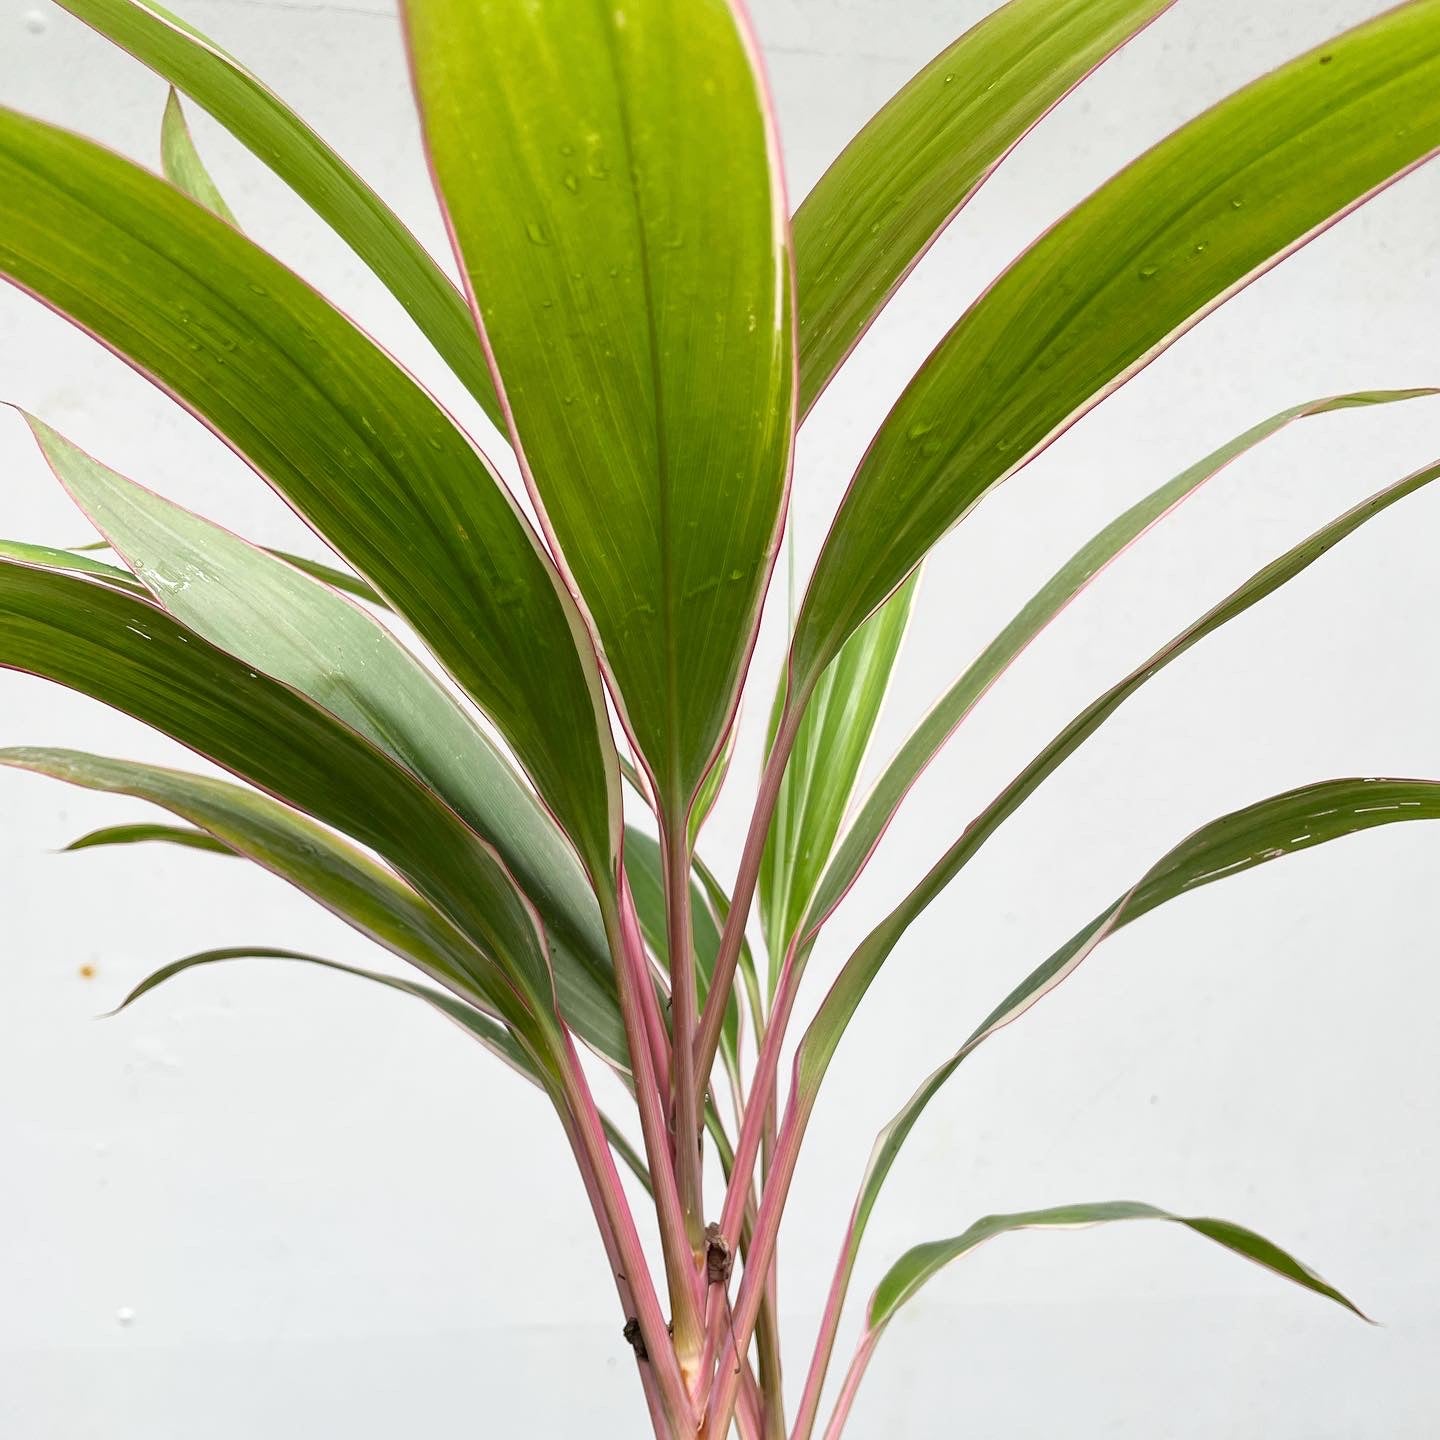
[(267, 614), (1130, 269), (262, 122), (134, 657), (634, 288), (904, 176), (346, 436)]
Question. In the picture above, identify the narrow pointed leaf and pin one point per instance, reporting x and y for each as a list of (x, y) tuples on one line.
[(133, 656), (1108, 288), (69, 563), (1256, 835), (297, 630), (331, 422), (634, 288), (916, 1266), (262, 122), (930, 736), (904, 177), (823, 767), (182, 163), (492, 1035), (140, 834), (336, 579), (319, 863), (865, 963)]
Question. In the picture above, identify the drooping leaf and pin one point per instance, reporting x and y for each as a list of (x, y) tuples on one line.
[(930, 736), (295, 629), (1256, 835), (864, 964), (492, 1035), (918, 1265), (135, 657), (358, 448), (140, 833), (823, 767), (1130, 269), (182, 163), (262, 122), (908, 172), (319, 863), (634, 287)]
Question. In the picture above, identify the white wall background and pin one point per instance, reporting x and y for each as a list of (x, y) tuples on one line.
[(275, 1204)]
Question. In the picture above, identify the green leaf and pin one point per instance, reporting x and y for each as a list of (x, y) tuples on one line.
[(917, 1266), (1142, 260), (864, 964), (330, 870), (182, 163), (930, 736), (341, 580), (297, 630), (46, 558), (645, 870), (1268, 830), (360, 450), (823, 767), (493, 1036), (262, 122), (138, 834), (910, 170), (133, 656), (634, 287)]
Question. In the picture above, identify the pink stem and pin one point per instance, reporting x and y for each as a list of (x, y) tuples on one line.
[(825, 1340), (632, 1274), (757, 1264), (707, 1041), (683, 1011), (686, 1283), (645, 987), (853, 1376)]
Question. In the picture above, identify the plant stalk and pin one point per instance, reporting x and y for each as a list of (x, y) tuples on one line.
[(622, 1242), (632, 974), (853, 1376), (746, 878), (684, 1010)]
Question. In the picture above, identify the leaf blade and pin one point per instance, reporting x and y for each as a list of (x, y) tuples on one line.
[(265, 125), (297, 630), (1076, 575), (921, 1263), (912, 168), (181, 162), (637, 161), (1121, 277), (350, 440), (133, 656)]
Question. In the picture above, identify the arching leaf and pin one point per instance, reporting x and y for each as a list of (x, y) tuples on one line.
[(1129, 270)]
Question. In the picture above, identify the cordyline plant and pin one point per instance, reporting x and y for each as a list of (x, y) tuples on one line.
[(649, 325)]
